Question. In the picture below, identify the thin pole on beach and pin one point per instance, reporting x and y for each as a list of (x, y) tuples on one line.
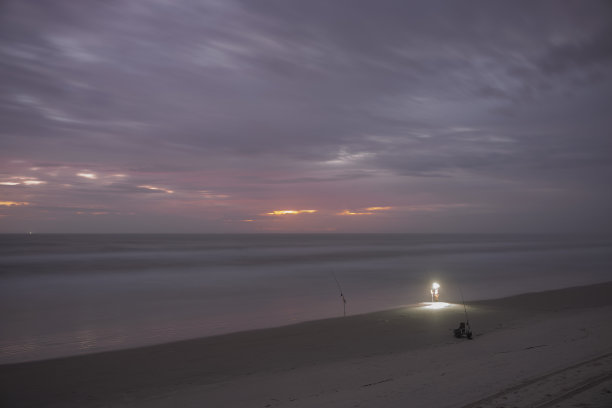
[(467, 319), (341, 294)]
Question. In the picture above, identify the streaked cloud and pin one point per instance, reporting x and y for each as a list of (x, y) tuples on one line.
[(480, 116), (435, 207), (20, 180), (13, 203), (211, 195), (365, 211), (349, 212), (157, 189), (92, 213), (290, 212)]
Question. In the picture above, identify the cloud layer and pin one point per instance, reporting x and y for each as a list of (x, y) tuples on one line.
[(198, 115)]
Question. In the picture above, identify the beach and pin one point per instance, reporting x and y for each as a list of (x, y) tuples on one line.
[(283, 204), (538, 348), (63, 295)]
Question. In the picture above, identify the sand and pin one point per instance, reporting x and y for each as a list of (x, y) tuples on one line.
[(540, 349)]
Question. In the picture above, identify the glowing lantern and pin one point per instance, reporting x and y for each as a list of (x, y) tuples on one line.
[(435, 291)]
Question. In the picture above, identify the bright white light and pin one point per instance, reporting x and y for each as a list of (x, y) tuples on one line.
[(436, 285), (90, 176)]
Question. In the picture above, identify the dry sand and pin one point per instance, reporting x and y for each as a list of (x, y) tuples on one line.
[(542, 349)]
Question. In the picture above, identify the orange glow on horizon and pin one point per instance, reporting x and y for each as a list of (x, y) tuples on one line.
[(13, 203), (290, 212), (348, 212), (364, 211)]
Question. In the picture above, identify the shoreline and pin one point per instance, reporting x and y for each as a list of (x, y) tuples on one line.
[(224, 362), (517, 301)]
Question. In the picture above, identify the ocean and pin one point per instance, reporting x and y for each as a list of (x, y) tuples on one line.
[(68, 294)]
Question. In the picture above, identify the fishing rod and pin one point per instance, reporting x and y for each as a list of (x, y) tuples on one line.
[(467, 319), (341, 294)]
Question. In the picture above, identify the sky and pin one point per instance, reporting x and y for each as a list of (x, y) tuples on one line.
[(305, 116)]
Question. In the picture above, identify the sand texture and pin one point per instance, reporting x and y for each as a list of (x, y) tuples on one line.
[(540, 349)]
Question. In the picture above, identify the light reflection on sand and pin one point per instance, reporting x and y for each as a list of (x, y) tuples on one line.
[(438, 305)]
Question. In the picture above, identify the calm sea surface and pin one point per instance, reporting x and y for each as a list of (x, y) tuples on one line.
[(70, 294)]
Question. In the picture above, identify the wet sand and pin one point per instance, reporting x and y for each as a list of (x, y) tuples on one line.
[(401, 357)]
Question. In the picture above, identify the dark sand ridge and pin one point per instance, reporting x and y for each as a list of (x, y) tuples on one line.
[(104, 378)]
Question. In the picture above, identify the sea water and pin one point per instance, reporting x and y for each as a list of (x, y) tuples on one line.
[(69, 294)]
